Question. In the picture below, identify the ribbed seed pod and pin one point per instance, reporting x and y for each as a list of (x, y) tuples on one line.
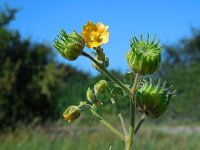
[(153, 99), (70, 46), (144, 57)]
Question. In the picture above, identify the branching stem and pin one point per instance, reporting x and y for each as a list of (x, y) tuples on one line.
[(128, 138), (107, 73), (108, 125), (132, 111), (120, 116), (140, 123)]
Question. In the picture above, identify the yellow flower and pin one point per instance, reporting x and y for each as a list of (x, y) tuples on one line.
[(95, 35)]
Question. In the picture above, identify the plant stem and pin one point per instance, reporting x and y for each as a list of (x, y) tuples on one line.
[(132, 111), (135, 86), (107, 73), (121, 136), (140, 123), (120, 116), (131, 127)]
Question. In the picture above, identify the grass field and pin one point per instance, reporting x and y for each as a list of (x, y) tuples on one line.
[(97, 137)]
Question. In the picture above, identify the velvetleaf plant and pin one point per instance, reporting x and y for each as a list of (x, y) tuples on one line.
[(144, 57)]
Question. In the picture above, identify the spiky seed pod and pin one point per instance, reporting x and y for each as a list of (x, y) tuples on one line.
[(144, 57), (70, 46), (71, 113), (100, 87), (153, 99)]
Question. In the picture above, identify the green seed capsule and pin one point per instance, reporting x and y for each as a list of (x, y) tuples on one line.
[(144, 57), (153, 99), (70, 46)]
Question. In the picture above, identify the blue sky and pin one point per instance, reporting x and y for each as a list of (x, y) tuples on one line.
[(170, 20)]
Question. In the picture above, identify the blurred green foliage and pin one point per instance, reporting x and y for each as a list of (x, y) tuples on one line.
[(34, 85), (182, 68), (90, 138)]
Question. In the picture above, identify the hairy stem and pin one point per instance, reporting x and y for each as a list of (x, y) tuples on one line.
[(132, 112), (107, 73)]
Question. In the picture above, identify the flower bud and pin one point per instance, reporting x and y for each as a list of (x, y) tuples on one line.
[(90, 94), (144, 57), (71, 113), (70, 46), (153, 99), (100, 87)]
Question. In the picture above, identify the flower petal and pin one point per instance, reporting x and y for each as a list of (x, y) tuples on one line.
[(95, 35)]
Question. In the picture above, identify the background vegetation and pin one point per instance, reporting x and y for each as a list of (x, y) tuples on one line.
[(34, 86)]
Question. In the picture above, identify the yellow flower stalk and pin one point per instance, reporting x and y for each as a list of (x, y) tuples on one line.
[(95, 35)]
